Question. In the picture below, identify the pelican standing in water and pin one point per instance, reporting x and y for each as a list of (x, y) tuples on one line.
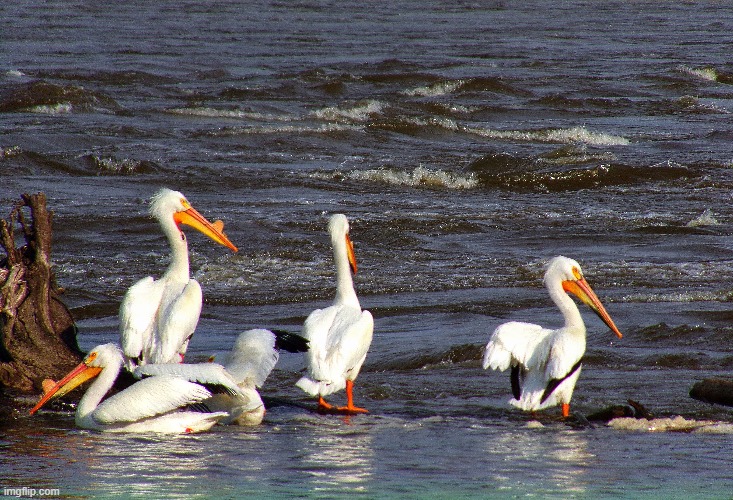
[(248, 364), (545, 364), (156, 404), (158, 317), (339, 335)]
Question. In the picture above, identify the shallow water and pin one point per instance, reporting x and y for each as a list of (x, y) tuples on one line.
[(468, 143)]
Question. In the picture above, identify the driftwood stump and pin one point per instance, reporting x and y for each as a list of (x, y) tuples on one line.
[(37, 332)]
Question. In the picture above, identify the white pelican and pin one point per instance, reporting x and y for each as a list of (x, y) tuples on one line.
[(155, 404), (249, 363), (339, 335), (158, 317), (546, 363)]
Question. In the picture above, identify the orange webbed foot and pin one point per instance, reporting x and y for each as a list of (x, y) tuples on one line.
[(352, 410), (325, 407)]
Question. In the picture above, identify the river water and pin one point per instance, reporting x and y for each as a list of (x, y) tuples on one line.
[(468, 143)]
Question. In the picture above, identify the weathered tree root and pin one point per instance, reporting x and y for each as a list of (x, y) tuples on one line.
[(37, 332)]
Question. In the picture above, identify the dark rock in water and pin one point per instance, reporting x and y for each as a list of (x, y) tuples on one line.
[(611, 412), (27, 96), (640, 410), (633, 409), (713, 390), (37, 332), (578, 421)]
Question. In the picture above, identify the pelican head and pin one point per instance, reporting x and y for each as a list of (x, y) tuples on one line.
[(338, 228), (103, 356), (569, 275), (168, 203)]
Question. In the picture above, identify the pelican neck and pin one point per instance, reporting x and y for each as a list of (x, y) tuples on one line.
[(568, 308), (345, 293), (91, 399), (179, 264)]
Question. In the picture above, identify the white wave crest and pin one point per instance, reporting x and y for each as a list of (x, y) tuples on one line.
[(704, 219), (581, 134), (360, 112), (680, 297), (708, 74), (288, 129), (10, 151), (115, 165), (698, 105), (434, 90), (565, 136), (55, 109), (419, 177), (206, 112), (673, 424), (244, 274), (435, 121)]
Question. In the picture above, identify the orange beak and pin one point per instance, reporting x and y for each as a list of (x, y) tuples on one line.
[(581, 289), (215, 231), (350, 253), (75, 378)]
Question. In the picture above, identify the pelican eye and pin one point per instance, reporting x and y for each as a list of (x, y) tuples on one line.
[(91, 357), (186, 205), (576, 272)]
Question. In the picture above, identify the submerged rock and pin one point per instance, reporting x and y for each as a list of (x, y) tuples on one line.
[(633, 409), (713, 390)]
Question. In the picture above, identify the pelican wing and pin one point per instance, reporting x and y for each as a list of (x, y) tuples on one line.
[(137, 316), (355, 341), (237, 406), (212, 375), (316, 329), (347, 344), (253, 356), (177, 324), (148, 398), (565, 353), (318, 324), (518, 343), (553, 383)]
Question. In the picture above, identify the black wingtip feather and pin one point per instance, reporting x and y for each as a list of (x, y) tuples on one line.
[(516, 385), (553, 383), (199, 407), (220, 389), (290, 342)]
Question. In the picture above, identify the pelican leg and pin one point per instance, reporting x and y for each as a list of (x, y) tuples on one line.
[(323, 405), (350, 408), (565, 410)]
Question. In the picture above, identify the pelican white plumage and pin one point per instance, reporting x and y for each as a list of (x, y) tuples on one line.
[(248, 364), (155, 404), (339, 335), (158, 317), (545, 364)]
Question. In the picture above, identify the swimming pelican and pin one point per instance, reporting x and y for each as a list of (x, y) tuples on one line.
[(339, 335), (546, 363), (155, 404), (158, 317), (249, 363)]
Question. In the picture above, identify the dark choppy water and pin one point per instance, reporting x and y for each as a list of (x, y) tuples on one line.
[(468, 142)]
